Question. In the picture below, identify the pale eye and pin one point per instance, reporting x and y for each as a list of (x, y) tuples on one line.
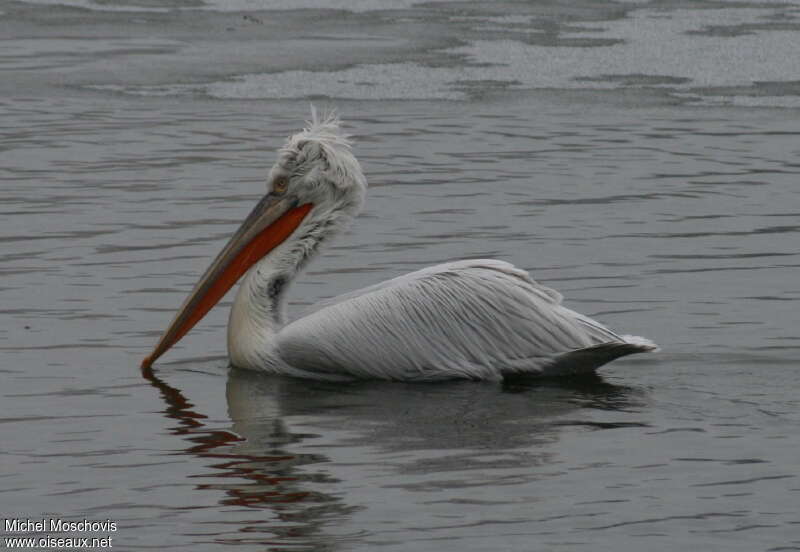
[(280, 185)]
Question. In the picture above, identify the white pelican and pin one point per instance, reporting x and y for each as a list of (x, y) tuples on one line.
[(476, 319)]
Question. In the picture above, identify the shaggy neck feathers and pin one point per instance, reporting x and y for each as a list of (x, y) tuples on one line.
[(321, 171), (259, 309)]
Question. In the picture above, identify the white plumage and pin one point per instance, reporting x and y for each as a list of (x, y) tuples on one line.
[(476, 319)]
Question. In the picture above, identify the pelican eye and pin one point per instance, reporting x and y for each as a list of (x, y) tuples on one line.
[(280, 185)]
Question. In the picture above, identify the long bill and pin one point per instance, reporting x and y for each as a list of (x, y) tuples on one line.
[(269, 224)]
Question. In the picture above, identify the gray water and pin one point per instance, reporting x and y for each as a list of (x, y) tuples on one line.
[(642, 158)]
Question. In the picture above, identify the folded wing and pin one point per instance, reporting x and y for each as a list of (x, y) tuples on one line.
[(477, 319)]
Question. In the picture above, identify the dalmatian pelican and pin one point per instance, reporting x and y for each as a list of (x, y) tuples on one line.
[(479, 319)]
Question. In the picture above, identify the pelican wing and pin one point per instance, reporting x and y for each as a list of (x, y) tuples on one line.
[(477, 319)]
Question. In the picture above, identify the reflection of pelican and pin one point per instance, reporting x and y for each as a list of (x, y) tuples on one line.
[(456, 416), (254, 466), (299, 460), (477, 319)]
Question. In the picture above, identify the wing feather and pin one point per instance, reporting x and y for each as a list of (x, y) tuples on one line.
[(473, 319)]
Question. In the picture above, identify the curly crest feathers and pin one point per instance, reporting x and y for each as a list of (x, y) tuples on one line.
[(325, 130)]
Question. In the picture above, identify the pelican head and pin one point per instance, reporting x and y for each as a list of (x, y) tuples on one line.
[(315, 166), (314, 189)]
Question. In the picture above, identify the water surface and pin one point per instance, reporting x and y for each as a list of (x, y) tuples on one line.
[(640, 158)]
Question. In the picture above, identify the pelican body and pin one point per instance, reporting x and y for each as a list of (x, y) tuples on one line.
[(475, 319)]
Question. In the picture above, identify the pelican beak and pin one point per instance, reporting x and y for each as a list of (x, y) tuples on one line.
[(266, 227)]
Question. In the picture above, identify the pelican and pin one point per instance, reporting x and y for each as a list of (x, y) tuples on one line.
[(479, 319)]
